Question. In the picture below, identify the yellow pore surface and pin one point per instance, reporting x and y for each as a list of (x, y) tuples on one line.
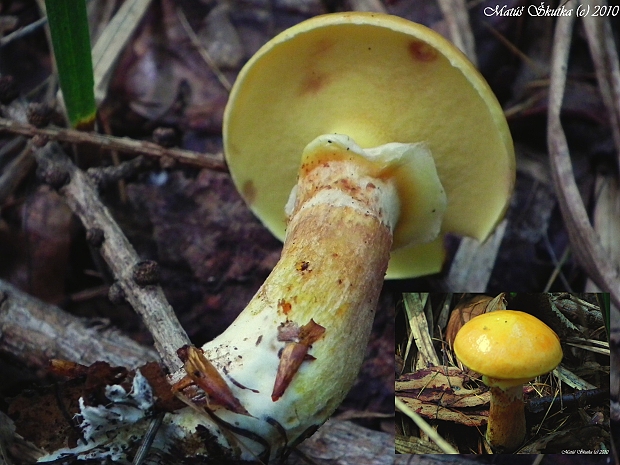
[(378, 79)]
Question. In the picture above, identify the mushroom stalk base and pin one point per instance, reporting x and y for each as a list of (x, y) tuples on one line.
[(506, 429), (330, 273)]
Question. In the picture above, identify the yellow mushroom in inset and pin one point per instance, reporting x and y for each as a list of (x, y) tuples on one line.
[(508, 348)]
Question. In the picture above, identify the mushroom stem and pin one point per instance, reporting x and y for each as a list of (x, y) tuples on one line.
[(293, 354), (288, 360), (506, 427), (509, 348)]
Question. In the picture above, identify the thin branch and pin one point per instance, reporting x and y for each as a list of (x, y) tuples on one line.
[(147, 298), (34, 331), (605, 57), (148, 439), (344, 442), (202, 51), (584, 241), (22, 31), (109, 174), (122, 144), (445, 446), (456, 15), (533, 65), (15, 172)]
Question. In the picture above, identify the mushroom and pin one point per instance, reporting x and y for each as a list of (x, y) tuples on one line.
[(377, 79), (379, 137), (509, 348), (360, 139)]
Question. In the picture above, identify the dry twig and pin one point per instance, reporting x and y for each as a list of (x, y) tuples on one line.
[(445, 446), (148, 300), (122, 144), (34, 332), (584, 241), (15, 172), (605, 57), (202, 51), (457, 17)]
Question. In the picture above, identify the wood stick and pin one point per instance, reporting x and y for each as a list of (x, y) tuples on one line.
[(34, 332), (122, 144), (142, 292)]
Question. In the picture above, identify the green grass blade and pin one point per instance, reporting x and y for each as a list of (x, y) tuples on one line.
[(70, 38)]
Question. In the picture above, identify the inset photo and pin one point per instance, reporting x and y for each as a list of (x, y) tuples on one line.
[(517, 373)]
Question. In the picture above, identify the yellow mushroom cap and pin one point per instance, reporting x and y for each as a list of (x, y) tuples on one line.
[(377, 79), (508, 347)]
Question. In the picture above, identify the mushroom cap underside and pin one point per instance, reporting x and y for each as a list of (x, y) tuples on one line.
[(378, 79), (508, 345)]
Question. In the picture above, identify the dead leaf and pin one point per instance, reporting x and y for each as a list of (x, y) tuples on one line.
[(439, 393), (466, 310), (43, 250)]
